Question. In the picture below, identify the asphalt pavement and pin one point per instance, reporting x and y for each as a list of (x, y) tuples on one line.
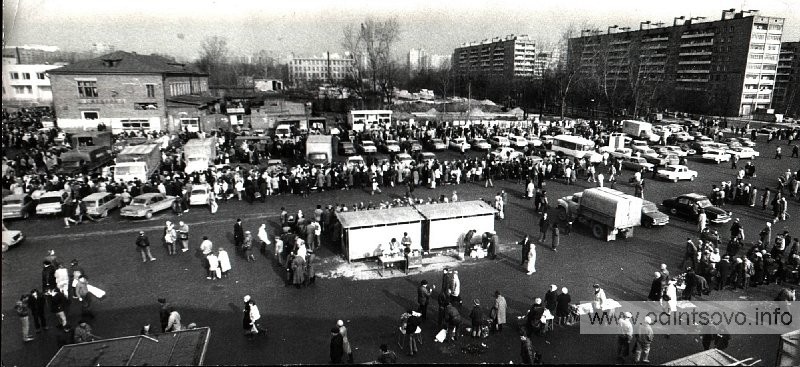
[(298, 320)]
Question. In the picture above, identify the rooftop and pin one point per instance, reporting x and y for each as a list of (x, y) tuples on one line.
[(121, 62)]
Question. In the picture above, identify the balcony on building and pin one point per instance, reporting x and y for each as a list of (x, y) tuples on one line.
[(698, 44), (694, 62), (698, 53), (692, 80), (698, 35), (655, 39)]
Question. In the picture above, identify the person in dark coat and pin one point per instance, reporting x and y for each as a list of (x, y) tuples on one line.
[(478, 317), (534, 318), (526, 350), (298, 271), (412, 324), (337, 346), (563, 306), (725, 268), (246, 323), (423, 298), (36, 304), (238, 234), (655, 288), (444, 301), (550, 299), (453, 321), (163, 314), (48, 276), (526, 247)]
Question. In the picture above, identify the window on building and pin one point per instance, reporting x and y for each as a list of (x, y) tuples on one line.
[(775, 27), (151, 90), (145, 106), (90, 115), (23, 89), (14, 75), (87, 89), (26, 76), (774, 37), (40, 76)]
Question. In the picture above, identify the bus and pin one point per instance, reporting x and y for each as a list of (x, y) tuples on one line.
[(575, 146)]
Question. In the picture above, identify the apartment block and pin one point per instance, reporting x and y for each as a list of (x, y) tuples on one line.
[(724, 67), (509, 57), (329, 68), (26, 85), (787, 80)]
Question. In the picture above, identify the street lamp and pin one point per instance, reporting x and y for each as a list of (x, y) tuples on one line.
[(675, 20), (641, 24)]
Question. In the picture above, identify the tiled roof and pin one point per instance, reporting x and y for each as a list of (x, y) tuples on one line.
[(121, 62)]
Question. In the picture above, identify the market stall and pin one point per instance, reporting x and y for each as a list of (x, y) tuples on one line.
[(364, 231), (446, 224), (789, 349)]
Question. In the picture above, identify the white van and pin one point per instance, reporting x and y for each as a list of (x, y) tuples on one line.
[(100, 203)]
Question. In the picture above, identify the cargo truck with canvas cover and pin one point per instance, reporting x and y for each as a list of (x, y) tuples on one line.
[(319, 149), (137, 161), (605, 211)]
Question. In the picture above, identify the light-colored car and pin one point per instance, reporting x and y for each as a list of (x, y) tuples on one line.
[(355, 161), (645, 151), (505, 153), (390, 146), (743, 152), (367, 147), (499, 141), (716, 155), (11, 238), (636, 164), (683, 136), (18, 206), (436, 145), (672, 149), (675, 172), (621, 153), (480, 144), (459, 144), (199, 195), (404, 159), (52, 202), (426, 157), (534, 142), (518, 142), (146, 205), (638, 143), (100, 203), (747, 142)]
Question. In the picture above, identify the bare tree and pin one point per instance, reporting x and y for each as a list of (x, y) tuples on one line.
[(567, 74), (371, 46), (213, 54)]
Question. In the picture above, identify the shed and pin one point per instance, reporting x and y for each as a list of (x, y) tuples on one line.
[(364, 231), (711, 357), (179, 348), (789, 349), (446, 224)]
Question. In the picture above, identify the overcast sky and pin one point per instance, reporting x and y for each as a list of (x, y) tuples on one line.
[(306, 27)]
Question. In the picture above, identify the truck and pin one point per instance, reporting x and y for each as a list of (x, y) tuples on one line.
[(72, 161), (319, 149), (137, 161), (607, 212), (199, 154), (639, 129), (89, 140)]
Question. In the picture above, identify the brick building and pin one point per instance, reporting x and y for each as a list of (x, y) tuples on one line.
[(127, 91), (723, 67), (506, 58)]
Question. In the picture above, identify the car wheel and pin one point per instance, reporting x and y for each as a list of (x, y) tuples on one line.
[(647, 224), (717, 162), (673, 211), (26, 214), (104, 214), (691, 178), (148, 215), (562, 214), (599, 231), (5, 247), (675, 179)]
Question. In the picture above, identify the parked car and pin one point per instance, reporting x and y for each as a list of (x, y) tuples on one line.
[(18, 206), (518, 142), (664, 160), (146, 205), (636, 164), (684, 206), (199, 195), (534, 142), (404, 159), (100, 203), (499, 141), (716, 155), (390, 146), (11, 238), (355, 160), (52, 202), (672, 149), (426, 157), (766, 130), (506, 153), (675, 172), (645, 151), (743, 152), (480, 144), (621, 153), (733, 142), (683, 136), (367, 147), (651, 216), (412, 146), (459, 144), (435, 145), (747, 142), (346, 148)]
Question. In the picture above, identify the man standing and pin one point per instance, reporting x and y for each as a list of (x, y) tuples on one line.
[(238, 234), (690, 254), (163, 313), (644, 337), (556, 236), (337, 346), (526, 247), (423, 298), (183, 235), (444, 301), (143, 244), (58, 304), (777, 153), (625, 337), (36, 304), (544, 224), (84, 297), (655, 288), (499, 311)]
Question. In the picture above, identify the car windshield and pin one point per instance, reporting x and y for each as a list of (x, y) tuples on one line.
[(649, 208), (196, 159), (129, 170), (49, 199), (139, 201), (12, 202), (368, 143), (90, 204), (199, 192), (317, 156), (704, 203)]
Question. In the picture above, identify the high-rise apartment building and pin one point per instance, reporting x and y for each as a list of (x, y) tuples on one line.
[(416, 60), (787, 81), (725, 67), (509, 57), (330, 68)]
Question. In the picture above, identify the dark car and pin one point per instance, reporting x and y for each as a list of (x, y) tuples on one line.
[(435, 145), (684, 206), (651, 216), (412, 146), (346, 148)]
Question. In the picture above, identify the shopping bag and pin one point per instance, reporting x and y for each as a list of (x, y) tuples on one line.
[(97, 292), (441, 336)]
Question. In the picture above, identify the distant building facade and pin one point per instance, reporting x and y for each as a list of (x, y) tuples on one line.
[(787, 81), (26, 85), (331, 68), (127, 92), (509, 57), (725, 67)]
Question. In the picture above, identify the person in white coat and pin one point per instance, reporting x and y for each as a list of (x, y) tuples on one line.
[(532, 260), (224, 261), (62, 280), (263, 237), (213, 266), (455, 296)]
